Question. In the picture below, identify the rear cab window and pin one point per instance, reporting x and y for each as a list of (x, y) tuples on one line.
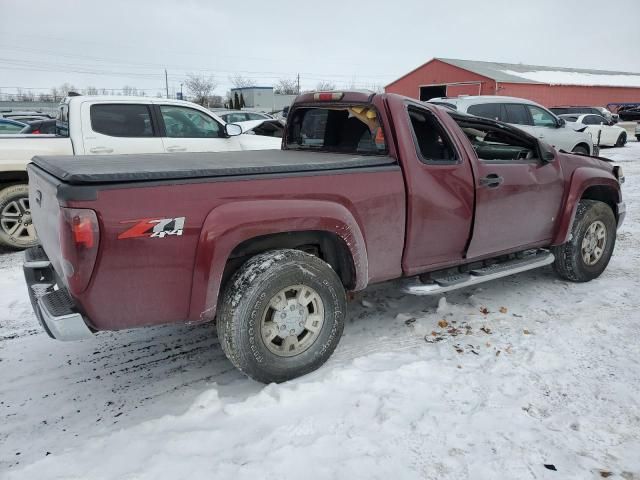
[(121, 120), (337, 128)]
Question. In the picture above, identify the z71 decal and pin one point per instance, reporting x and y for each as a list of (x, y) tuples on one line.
[(153, 228)]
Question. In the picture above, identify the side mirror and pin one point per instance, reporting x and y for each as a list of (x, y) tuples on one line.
[(547, 152), (232, 130), (561, 122)]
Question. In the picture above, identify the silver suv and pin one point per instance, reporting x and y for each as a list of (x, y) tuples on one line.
[(526, 115)]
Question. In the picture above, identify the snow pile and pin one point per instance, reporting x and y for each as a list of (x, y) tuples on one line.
[(561, 77)]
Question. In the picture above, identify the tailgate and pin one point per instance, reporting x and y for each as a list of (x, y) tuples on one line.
[(45, 211)]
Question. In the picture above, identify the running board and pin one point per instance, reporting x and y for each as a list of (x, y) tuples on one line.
[(444, 284)]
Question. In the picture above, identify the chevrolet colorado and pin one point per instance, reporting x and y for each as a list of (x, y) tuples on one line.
[(106, 125), (367, 188)]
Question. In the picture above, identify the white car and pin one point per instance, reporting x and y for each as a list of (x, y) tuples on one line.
[(526, 115), (103, 125), (240, 116), (600, 129)]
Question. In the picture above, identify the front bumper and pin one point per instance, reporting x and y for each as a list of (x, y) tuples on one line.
[(52, 304), (622, 212)]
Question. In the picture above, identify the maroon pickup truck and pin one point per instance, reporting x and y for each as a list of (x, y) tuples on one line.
[(366, 188)]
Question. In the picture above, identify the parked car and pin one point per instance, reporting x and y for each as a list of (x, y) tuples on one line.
[(268, 128), (368, 188), (602, 111), (629, 114), (239, 116), (602, 130), (638, 131), (40, 127), (526, 115), (24, 113), (29, 118), (8, 126), (102, 125)]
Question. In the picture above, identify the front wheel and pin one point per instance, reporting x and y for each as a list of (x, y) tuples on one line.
[(282, 315), (16, 227), (622, 140), (593, 236)]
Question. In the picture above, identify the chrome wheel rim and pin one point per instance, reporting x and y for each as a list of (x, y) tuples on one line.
[(593, 243), (15, 220), (292, 320)]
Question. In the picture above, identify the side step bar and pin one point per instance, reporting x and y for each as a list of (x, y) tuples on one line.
[(479, 275)]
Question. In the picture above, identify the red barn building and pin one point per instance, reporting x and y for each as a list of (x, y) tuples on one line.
[(549, 86)]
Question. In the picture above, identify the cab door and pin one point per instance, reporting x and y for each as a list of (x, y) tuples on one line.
[(517, 202), (186, 129), (440, 190), (110, 128)]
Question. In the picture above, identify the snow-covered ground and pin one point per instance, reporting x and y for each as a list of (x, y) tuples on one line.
[(524, 372)]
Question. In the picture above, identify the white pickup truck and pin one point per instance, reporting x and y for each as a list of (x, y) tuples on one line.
[(96, 125)]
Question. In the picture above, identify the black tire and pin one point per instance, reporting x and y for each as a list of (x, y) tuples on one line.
[(15, 216), (622, 140), (569, 262), (638, 138), (247, 300), (580, 149)]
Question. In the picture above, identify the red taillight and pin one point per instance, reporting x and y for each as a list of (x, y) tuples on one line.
[(79, 239), (36, 132), (327, 96), (83, 231)]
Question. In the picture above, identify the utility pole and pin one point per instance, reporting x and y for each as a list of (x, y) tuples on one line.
[(166, 82), (298, 84)]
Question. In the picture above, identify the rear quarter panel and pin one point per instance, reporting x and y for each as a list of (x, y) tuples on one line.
[(145, 281)]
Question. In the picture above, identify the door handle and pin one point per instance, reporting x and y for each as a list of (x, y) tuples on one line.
[(492, 180), (176, 148), (101, 150)]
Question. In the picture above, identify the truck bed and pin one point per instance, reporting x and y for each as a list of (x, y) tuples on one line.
[(91, 170)]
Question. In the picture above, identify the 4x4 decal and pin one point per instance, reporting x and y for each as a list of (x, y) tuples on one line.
[(154, 228)]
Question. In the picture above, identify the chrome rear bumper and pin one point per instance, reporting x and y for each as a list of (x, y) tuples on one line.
[(52, 304)]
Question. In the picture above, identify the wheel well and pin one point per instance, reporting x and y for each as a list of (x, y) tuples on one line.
[(603, 194), (325, 245), (9, 178), (583, 145)]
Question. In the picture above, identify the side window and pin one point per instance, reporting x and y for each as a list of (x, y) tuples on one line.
[(62, 121), (495, 144), (255, 116), (6, 127), (594, 120), (432, 143), (185, 122), (518, 114), (121, 120), (541, 118), (486, 110)]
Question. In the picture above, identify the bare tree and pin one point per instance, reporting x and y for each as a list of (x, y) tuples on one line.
[(200, 87), (239, 81), (129, 90), (286, 86), (65, 88), (90, 90), (325, 86)]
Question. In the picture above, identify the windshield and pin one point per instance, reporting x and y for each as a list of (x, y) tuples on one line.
[(343, 129)]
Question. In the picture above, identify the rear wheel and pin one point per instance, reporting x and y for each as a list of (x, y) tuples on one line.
[(622, 140), (282, 315), (16, 226), (593, 236), (580, 149)]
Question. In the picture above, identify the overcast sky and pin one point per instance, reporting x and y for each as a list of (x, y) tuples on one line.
[(109, 44)]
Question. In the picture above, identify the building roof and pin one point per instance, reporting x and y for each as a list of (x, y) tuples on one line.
[(521, 73)]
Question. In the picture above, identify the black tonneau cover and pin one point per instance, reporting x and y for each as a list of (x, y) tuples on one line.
[(91, 169)]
